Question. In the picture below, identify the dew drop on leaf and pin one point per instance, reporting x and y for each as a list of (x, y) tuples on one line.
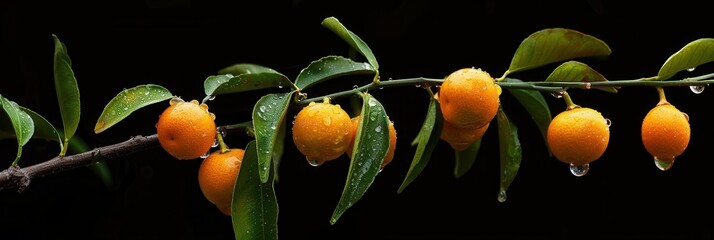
[(502, 195)]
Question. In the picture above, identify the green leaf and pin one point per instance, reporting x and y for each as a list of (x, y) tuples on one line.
[(268, 117), (254, 210), (227, 83), (67, 90), (22, 124), (693, 54), (351, 39), (465, 159), (573, 71), (428, 137), (330, 67), (371, 145), (510, 152), (245, 68), (553, 45), (278, 149), (43, 128), (535, 105), (128, 101)]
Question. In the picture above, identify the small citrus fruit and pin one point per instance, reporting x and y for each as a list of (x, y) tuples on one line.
[(321, 131), (392, 141), (578, 136), (186, 130), (217, 177), (460, 138), (469, 98), (665, 132)]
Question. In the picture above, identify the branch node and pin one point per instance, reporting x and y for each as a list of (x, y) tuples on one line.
[(19, 177)]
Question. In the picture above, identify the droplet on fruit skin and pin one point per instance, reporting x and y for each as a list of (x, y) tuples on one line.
[(686, 116), (558, 94), (205, 155), (697, 89), (662, 164), (314, 163), (579, 170), (608, 122), (215, 143)]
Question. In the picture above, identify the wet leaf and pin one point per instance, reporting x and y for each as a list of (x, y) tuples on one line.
[(268, 117), (22, 124), (128, 101), (351, 39), (245, 68), (67, 90), (224, 84), (537, 108), (553, 45), (330, 67), (371, 145), (43, 128), (510, 152), (428, 137), (278, 148), (465, 159), (573, 71), (693, 54), (254, 210)]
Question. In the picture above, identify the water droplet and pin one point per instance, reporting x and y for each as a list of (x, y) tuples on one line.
[(126, 108), (697, 89), (262, 108), (587, 85), (691, 69), (211, 98), (579, 170), (223, 132), (502, 195), (378, 129), (280, 86), (314, 163), (327, 121), (205, 155), (608, 122), (354, 86), (372, 118), (372, 102), (418, 85), (213, 116), (272, 127), (215, 143), (663, 164), (558, 94), (380, 88), (686, 116)]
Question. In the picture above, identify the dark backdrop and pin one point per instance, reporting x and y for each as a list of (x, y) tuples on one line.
[(178, 43)]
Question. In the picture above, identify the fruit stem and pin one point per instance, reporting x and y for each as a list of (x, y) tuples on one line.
[(568, 101), (662, 97), (219, 137)]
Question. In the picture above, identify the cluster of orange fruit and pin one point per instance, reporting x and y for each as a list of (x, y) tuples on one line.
[(469, 101), (323, 131), (187, 130)]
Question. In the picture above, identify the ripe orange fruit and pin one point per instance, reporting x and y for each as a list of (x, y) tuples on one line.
[(321, 131), (217, 177), (186, 130), (469, 98), (392, 141), (665, 132), (578, 136), (460, 138)]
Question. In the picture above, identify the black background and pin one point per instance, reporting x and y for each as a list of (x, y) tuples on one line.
[(178, 43)]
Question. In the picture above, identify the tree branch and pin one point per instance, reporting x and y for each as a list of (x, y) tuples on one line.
[(20, 178)]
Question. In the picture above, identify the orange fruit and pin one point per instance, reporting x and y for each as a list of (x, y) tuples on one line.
[(578, 136), (217, 177), (665, 132), (321, 131), (392, 141), (469, 98), (186, 130), (460, 138)]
